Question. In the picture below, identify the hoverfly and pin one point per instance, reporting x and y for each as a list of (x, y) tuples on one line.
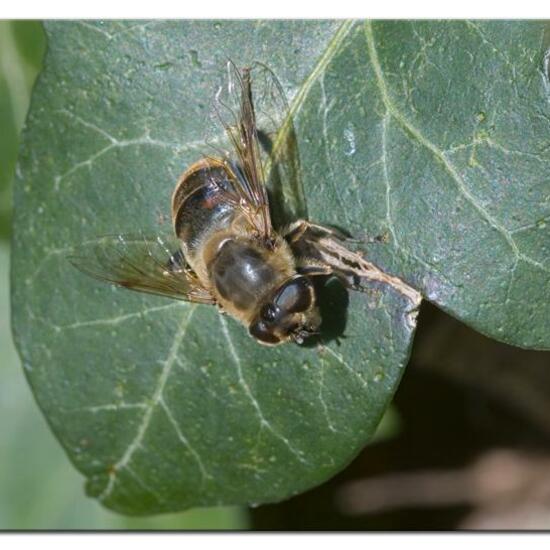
[(226, 250)]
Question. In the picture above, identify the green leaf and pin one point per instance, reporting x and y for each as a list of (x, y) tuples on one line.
[(446, 127), (38, 490), (161, 405), (458, 118), (431, 134)]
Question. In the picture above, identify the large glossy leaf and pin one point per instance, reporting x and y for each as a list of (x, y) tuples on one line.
[(441, 132), (162, 405), (433, 134)]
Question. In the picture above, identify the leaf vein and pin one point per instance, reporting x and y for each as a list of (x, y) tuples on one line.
[(438, 154), (348, 367), (322, 399), (184, 440), (155, 400), (264, 423), (115, 320)]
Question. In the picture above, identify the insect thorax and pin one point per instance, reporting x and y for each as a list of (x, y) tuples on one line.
[(242, 274)]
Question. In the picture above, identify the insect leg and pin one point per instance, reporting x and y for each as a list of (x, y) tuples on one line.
[(318, 248), (312, 268), (300, 227)]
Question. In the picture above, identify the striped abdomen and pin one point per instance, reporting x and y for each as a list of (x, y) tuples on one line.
[(200, 207)]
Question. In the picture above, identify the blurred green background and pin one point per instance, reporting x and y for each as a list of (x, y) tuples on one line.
[(39, 488)]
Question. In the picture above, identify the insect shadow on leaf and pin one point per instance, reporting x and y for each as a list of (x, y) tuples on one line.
[(288, 204)]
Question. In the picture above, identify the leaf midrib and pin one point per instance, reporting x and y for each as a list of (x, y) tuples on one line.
[(440, 156)]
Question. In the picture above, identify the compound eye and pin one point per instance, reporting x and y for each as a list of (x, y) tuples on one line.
[(261, 332), (296, 295), (269, 312)]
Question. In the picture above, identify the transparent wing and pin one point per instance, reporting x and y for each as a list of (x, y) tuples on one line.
[(252, 108), (279, 145), (154, 265), (234, 109)]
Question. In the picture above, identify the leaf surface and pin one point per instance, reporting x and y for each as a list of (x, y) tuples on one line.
[(434, 135)]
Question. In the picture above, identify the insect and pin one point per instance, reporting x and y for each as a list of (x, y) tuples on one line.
[(225, 250)]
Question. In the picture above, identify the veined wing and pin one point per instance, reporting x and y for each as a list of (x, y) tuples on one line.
[(234, 109), (154, 265)]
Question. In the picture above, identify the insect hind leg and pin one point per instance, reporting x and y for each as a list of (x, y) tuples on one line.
[(299, 228), (320, 250)]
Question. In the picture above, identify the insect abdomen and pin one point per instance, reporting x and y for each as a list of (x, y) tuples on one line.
[(200, 206)]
